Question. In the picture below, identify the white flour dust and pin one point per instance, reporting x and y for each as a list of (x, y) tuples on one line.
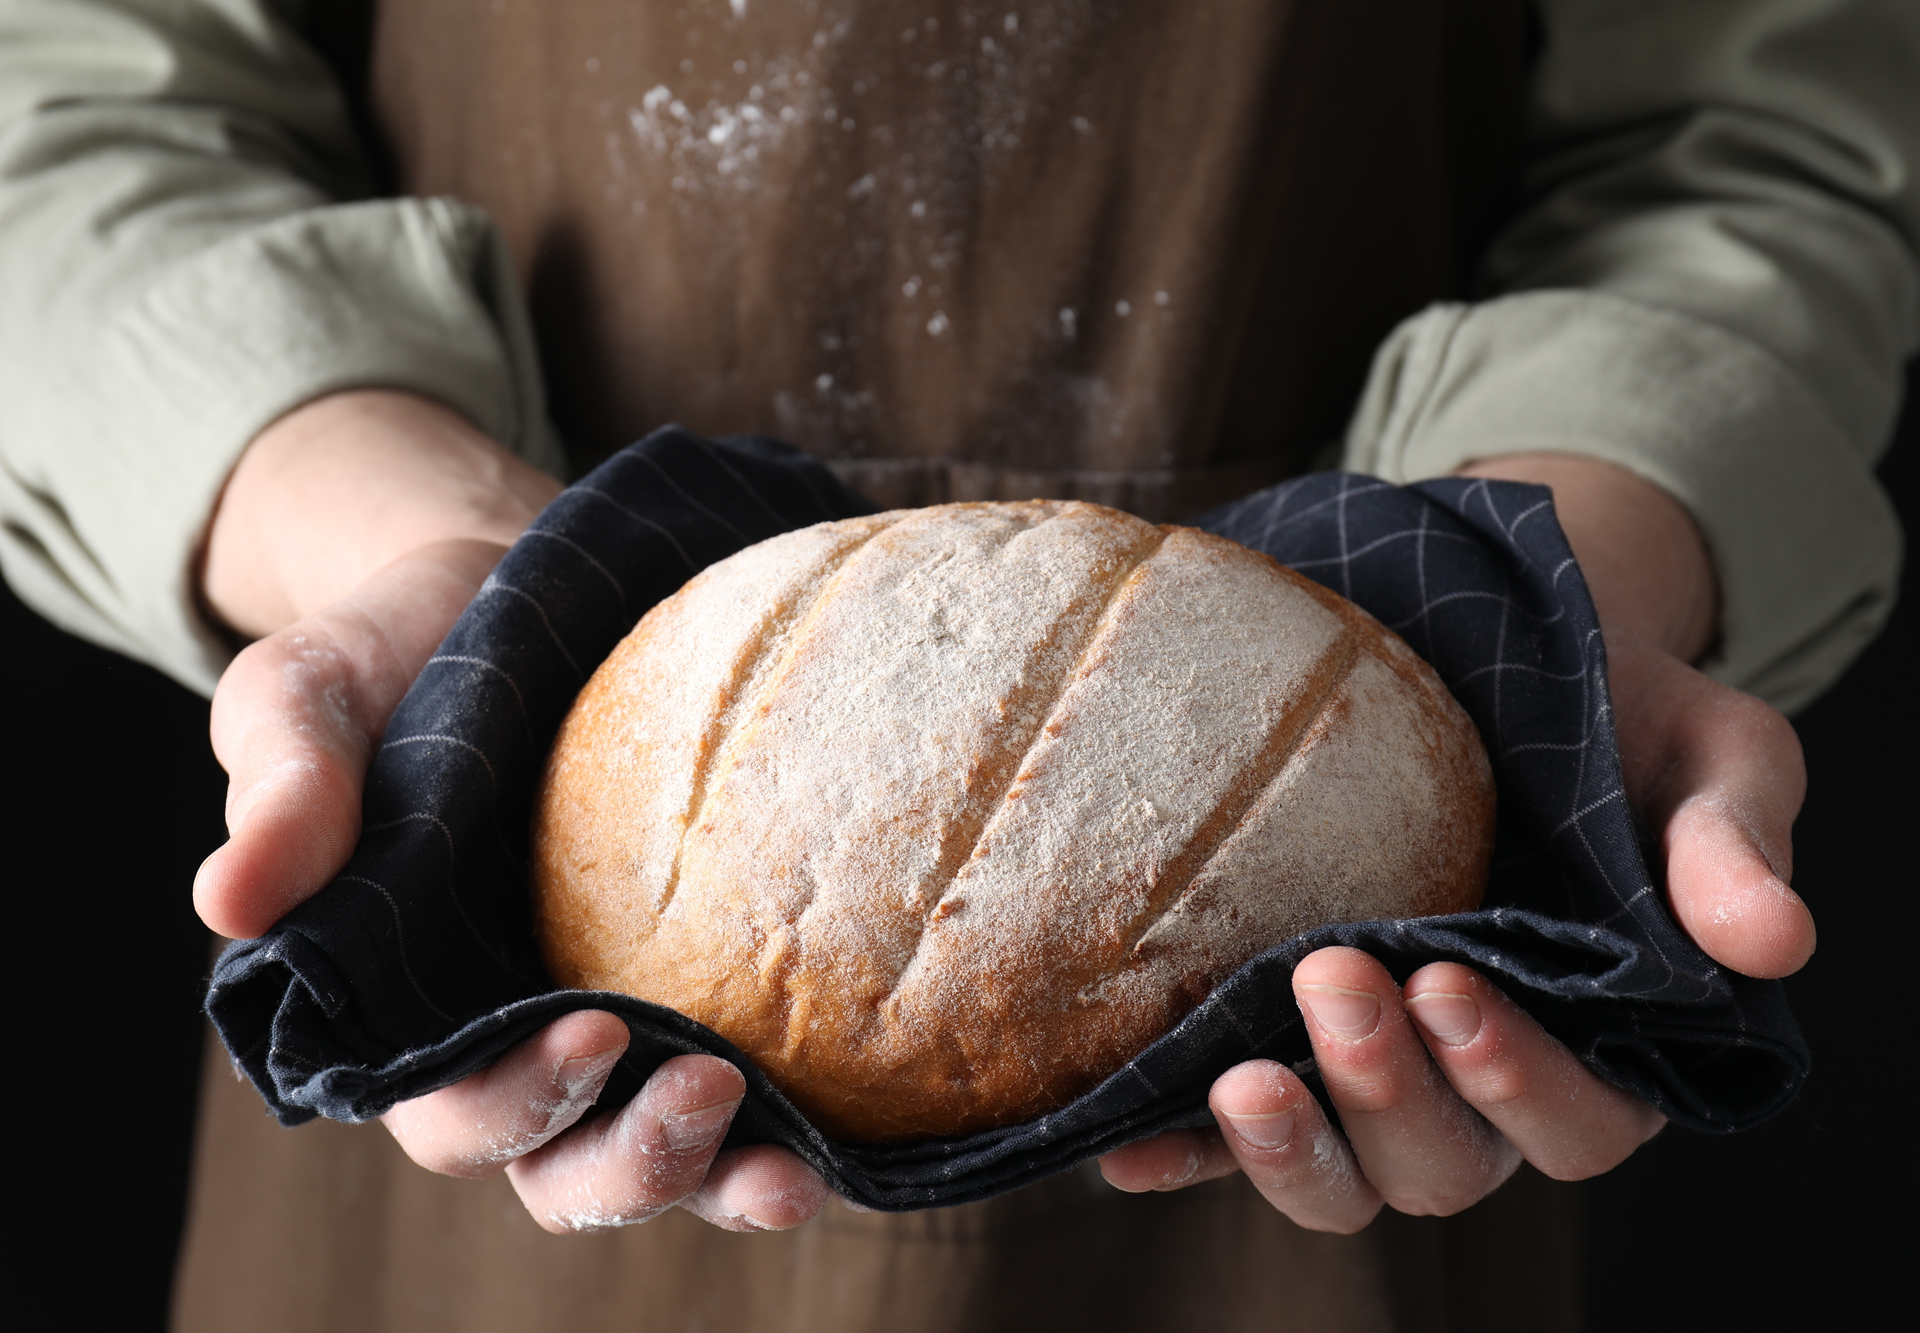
[(716, 146)]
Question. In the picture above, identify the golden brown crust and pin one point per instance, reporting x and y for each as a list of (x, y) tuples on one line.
[(942, 815)]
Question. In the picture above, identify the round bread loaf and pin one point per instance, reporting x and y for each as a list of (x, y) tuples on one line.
[(942, 815)]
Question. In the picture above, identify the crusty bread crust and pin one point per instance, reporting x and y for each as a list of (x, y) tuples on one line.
[(942, 815)]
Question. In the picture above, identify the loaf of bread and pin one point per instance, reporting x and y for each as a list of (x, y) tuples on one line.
[(941, 816)]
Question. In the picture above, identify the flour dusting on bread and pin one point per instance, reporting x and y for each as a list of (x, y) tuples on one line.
[(942, 815)]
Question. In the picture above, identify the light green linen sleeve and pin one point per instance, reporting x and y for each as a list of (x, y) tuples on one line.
[(1714, 285), (186, 253)]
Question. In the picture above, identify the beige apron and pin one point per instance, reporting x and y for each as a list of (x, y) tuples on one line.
[(1133, 253)]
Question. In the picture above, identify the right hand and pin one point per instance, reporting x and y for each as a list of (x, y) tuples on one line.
[(1442, 1085), (350, 537)]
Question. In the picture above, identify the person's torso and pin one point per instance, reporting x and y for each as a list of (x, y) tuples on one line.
[(1131, 252)]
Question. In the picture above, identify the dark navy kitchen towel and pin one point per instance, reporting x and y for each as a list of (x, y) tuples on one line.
[(416, 966)]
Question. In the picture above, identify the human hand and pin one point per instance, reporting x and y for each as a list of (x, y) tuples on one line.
[(1436, 1113), (626, 1166), (1717, 774), (351, 536)]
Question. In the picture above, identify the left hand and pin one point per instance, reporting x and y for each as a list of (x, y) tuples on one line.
[(1434, 1114), (349, 538)]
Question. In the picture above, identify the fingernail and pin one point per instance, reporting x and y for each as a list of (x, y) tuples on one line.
[(697, 1128), (1274, 1130), (1348, 1014), (1454, 1020), (580, 1071)]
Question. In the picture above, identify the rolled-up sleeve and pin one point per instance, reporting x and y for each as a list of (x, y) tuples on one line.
[(187, 253), (1714, 286)]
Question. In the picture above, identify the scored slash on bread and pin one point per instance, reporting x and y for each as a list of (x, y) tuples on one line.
[(944, 814)]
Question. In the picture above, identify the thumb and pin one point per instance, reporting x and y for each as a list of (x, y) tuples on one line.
[(1720, 777), (295, 722), (1726, 892)]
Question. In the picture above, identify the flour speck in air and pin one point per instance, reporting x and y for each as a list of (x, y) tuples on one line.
[(939, 324)]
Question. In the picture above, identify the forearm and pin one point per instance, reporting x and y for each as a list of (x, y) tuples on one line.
[(1746, 164), (342, 486), (178, 273), (1707, 292), (1644, 561)]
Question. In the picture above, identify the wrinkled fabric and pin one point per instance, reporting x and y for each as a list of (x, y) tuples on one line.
[(417, 965)]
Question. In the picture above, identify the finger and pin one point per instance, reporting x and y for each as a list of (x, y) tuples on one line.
[(295, 722), (1724, 891), (1169, 1161), (1560, 1115), (1294, 1156), (1720, 776), (760, 1188), (1424, 1149), (635, 1163), (523, 1100)]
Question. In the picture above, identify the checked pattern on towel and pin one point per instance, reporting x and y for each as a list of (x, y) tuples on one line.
[(417, 966)]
